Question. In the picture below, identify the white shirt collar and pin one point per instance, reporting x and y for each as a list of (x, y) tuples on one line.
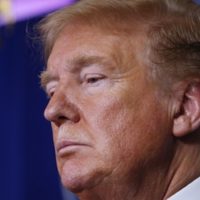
[(190, 192)]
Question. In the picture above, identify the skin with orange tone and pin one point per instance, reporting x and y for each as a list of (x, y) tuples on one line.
[(113, 135)]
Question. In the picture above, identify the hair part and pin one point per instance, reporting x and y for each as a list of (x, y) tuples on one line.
[(171, 29)]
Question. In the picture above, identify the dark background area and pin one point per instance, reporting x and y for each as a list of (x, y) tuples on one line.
[(27, 167)]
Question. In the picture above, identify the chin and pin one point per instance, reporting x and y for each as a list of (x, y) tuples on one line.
[(80, 178), (75, 184)]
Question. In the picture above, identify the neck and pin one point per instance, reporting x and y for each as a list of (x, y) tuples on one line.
[(185, 166)]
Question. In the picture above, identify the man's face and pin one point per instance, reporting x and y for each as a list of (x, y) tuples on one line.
[(108, 125)]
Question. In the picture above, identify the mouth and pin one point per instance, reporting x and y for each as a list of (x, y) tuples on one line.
[(67, 147)]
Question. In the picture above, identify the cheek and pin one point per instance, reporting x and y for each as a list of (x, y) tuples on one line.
[(110, 125), (115, 115), (55, 137), (128, 126), (55, 132)]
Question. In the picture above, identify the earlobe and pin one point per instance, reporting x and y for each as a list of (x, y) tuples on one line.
[(182, 125), (188, 120)]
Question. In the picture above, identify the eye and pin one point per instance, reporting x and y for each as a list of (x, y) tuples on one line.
[(50, 94), (93, 78), (50, 89)]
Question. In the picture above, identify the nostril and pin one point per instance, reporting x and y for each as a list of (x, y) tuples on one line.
[(70, 118), (76, 118), (59, 120), (62, 118)]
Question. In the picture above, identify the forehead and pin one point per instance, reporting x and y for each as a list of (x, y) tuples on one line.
[(81, 41)]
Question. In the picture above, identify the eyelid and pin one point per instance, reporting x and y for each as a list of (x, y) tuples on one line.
[(90, 75), (50, 86), (94, 76)]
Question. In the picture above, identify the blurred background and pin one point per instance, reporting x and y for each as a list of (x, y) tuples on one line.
[(27, 166)]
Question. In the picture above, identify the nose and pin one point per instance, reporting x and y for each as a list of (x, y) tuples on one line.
[(60, 110)]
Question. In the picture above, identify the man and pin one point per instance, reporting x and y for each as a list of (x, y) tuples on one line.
[(123, 79)]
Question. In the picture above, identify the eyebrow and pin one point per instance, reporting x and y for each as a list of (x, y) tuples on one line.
[(45, 78), (74, 65)]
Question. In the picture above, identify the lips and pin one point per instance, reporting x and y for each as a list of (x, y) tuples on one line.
[(67, 146)]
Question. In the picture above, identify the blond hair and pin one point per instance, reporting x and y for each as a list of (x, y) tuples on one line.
[(171, 27)]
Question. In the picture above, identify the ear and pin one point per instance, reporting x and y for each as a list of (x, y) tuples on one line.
[(188, 119)]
